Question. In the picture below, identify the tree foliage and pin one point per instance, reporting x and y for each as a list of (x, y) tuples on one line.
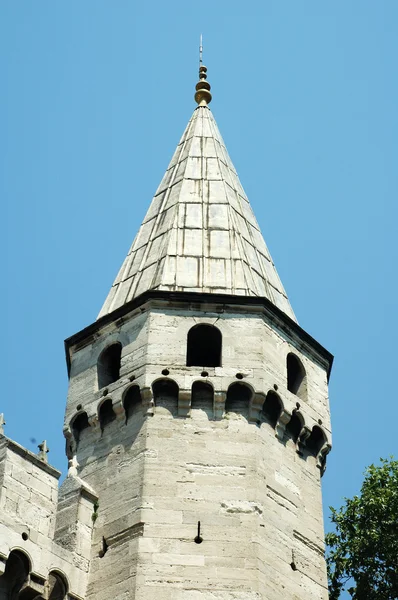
[(363, 549)]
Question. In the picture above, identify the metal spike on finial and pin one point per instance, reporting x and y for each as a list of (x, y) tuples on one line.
[(202, 95), (44, 449)]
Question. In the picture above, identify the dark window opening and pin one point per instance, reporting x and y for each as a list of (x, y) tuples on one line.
[(165, 394), (132, 402), (79, 424), (238, 399), (108, 366), (294, 427), (204, 346), (296, 377), (272, 408), (202, 398), (315, 441), (106, 414), (15, 575), (56, 587)]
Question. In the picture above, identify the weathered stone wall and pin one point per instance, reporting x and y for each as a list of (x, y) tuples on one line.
[(257, 498), (28, 511)]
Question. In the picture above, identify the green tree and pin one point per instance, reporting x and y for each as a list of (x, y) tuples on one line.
[(363, 550)]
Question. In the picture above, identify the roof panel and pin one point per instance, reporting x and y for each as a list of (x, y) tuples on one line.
[(200, 233)]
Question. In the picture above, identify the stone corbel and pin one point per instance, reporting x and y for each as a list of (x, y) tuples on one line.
[(321, 458), (34, 583), (147, 401), (256, 406), (93, 421), (219, 404), (301, 441), (184, 403), (118, 409), (281, 423), (69, 441)]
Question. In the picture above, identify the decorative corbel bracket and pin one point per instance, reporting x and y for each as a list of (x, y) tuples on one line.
[(281, 423)]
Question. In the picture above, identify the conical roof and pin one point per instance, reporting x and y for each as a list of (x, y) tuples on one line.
[(200, 233)]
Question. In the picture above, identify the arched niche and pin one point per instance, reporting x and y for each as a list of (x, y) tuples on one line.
[(238, 399), (106, 414), (294, 427), (79, 425), (272, 409), (132, 402), (165, 395), (57, 587), (15, 575), (108, 365), (202, 399), (296, 376), (204, 346), (315, 441)]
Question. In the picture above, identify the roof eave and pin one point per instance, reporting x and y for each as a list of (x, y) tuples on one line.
[(274, 314)]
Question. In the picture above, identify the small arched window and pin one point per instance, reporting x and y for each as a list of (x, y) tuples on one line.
[(57, 587), (294, 427), (106, 414), (79, 424), (132, 402), (15, 574), (165, 395), (238, 399), (272, 408), (315, 441), (202, 398), (296, 377), (204, 346), (108, 366)]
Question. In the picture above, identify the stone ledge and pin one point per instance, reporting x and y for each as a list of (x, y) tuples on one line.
[(28, 455)]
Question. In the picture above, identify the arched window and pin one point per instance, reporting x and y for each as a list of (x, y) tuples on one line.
[(294, 427), (238, 399), (15, 575), (315, 441), (79, 424), (272, 408), (57, 587), (202, 398), (106, 414), (204, 346), (108, 366), (296, 377), (132, 402), (165, 394)]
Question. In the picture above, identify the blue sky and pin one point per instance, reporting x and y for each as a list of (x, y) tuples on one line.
[(95, 96)]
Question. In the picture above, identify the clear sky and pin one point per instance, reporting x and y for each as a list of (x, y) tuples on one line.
[(95, 96)]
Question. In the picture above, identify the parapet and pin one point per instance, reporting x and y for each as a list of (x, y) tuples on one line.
[(34, 553)]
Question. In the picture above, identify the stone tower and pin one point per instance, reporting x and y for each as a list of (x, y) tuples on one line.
[(197, 420)]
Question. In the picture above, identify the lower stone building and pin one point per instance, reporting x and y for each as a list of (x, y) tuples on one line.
[(197, 421)]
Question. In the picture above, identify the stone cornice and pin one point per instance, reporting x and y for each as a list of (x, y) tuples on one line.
[(208, 302)]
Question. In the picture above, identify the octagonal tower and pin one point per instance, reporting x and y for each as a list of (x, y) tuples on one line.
[(197, 406)]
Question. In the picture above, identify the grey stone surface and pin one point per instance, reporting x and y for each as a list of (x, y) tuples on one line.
[(29, 508), (153, 452), (257, 494), (200, 233)]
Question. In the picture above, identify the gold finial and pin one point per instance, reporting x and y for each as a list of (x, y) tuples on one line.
[(202, 95)]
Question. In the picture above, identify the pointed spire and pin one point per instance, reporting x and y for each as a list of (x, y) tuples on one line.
[(199, 234)]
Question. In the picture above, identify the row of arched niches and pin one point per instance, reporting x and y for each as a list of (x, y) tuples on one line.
[(18, 581), (239, 401)]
